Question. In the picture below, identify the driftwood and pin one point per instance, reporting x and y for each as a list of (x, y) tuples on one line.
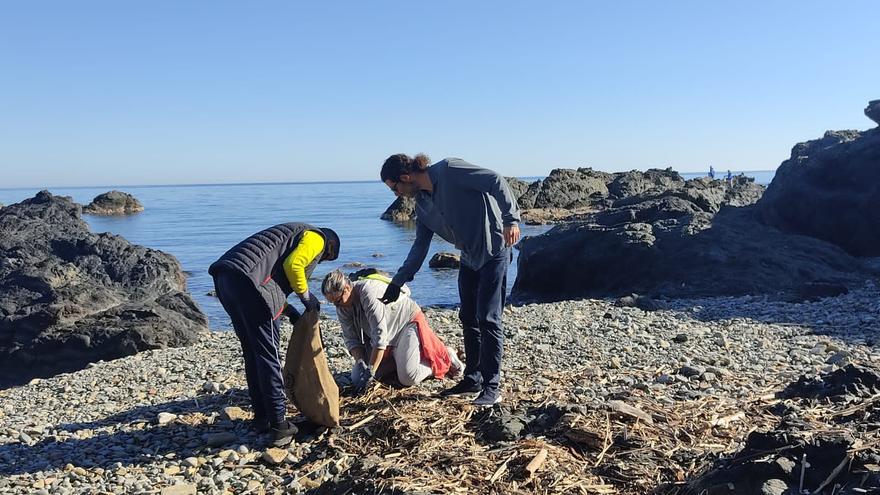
[(406, 440)]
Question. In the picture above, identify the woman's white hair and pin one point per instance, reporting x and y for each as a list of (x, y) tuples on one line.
[(334, 282)]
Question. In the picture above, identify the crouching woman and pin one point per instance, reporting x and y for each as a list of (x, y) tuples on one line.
[(387, 338)]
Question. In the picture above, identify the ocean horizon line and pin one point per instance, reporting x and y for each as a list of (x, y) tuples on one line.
[(282, 183)]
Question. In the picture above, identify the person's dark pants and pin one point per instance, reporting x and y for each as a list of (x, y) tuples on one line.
[(482, 295), (259, 335)]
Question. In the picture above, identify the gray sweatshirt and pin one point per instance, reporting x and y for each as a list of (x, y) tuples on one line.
[(468, 207), (368, 322)]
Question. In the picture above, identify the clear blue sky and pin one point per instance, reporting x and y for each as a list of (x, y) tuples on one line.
[(125, 93)]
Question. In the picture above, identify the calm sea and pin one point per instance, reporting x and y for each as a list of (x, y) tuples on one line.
[(198, 223)]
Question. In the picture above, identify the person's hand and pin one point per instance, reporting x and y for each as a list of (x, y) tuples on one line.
[(391, 294), (511, 234), (310, 302), (361, 376)]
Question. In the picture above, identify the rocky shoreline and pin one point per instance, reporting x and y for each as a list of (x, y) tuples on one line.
[(158, 421)]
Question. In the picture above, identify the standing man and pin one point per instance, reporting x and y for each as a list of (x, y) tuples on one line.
[(472, 208), (253, 280)]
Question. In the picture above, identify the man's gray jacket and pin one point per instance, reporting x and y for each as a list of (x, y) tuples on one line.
[(468, 207)]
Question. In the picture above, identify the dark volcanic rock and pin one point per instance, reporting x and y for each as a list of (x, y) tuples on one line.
[(710, 195), (872, 111), (445, 260), (669, 247), (401, 210), (527, 200), (69, 297), (517, 186), (773, 461), (565, 188), (636, 183), (114, 203), (830, 189)]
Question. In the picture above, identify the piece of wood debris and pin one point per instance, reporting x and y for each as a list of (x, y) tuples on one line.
[(628, 410), (362, 422), (535, 464), (584, 437), (726, 420)]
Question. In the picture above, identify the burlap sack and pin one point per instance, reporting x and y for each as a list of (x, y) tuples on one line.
[(307, 378)]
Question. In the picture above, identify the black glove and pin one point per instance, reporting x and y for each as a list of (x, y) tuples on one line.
[(310, 302), (291, 313), (391, 294)]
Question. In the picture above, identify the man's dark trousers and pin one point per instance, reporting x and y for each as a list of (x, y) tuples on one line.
[(259, 335), (482, 295)]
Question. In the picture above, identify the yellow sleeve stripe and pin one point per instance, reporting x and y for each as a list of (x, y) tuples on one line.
[(310, 245)]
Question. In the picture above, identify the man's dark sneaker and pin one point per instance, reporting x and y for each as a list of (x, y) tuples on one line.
[(488, 397), (282, 433), (461, 388), (260, 425)]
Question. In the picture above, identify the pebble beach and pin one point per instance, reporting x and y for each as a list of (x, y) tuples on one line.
[(174, 420)]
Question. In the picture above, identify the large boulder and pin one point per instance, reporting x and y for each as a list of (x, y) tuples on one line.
[(872, 111), (830, 189), (69, 297), (114, 203), (401, 210), (443, 261), (710, 195), (517, 186), (635, 183), (566, 188), (670, 247)]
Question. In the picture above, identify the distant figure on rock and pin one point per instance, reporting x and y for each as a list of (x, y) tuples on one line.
[(474, 209), (253, 280), (729, 177), (711, 172), (384, 339)]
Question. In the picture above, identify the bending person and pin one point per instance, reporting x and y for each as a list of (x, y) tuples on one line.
[(253, 280), (384, 337)]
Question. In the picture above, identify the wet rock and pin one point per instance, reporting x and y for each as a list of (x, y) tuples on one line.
[(445, 261), (401, 210)]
